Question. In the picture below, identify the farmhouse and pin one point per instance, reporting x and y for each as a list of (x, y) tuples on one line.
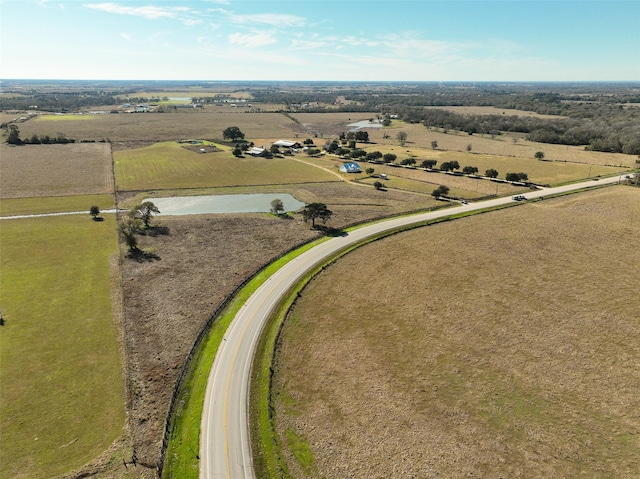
[(351, 167)]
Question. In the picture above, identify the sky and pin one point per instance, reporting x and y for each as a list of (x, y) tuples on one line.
[(322, 40)]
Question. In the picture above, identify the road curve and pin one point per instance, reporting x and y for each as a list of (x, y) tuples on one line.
[(225, 449)]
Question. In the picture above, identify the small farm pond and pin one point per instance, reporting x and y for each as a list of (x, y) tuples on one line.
[(198, 205)]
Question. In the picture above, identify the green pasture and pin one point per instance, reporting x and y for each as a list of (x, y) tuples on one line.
[(62, 390), (54, 204), (167, 165), (170, 126), (66, 117)]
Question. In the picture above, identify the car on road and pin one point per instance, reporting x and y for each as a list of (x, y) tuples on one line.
[(519, 198), (464, 202)]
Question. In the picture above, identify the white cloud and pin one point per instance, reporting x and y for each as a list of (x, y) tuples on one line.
[(126, 36), (251, 39), (271, 19), (274, 19), (150, 12)]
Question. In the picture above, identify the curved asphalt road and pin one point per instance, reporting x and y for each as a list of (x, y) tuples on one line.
[(225, 449)]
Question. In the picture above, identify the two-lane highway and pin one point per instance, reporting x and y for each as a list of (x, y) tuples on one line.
[(225, 449)]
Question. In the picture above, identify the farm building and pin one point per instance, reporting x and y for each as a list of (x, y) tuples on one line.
[(255, 151), (351, 167), (287, 144)]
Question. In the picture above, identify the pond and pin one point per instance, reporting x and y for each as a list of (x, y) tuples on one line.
[(198, 205), (365, 124)]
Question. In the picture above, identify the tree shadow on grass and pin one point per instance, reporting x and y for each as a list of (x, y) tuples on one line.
[(97, 218), (142, 256), (329, 231)]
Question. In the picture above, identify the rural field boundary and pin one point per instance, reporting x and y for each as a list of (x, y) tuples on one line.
[(188, 365), (181, 389)]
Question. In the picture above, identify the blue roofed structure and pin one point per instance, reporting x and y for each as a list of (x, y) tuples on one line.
[(351, 167)]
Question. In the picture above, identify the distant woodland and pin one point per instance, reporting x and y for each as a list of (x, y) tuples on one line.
[(600, 116)]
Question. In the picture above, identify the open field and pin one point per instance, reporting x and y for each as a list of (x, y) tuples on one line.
[(66, 118), (490, 110), (419, 141), (500, 345), (503, 145), (55, 170), (62, 389), (190, 270), (154, 127), (330, 125), (168, 165), (218, 90), (54, 204), (201, 260)]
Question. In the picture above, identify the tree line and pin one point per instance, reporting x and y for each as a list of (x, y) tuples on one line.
[(594, 115), (13, 137), (614, 134), (58, 102)]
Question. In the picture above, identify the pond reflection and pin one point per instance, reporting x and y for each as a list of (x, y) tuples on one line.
[(198, 205)]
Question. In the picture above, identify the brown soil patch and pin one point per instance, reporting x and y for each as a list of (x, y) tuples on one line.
[(31, 171), (191, 266), (500, 345)]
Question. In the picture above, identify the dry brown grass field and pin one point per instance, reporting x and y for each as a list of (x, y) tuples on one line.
[(55, 170), (420, 137), (153, 127), (330, 125), (189, 271), (192, 269), (500, 345), (490, 110)]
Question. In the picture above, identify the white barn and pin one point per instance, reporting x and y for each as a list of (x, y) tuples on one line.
[(287, 144)]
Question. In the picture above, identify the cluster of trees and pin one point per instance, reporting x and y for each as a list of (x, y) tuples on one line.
[(138, 220), (518, 177), (58, 102), (430, 164), (441, 190), (13, 138), (620, 134), (359, 135)]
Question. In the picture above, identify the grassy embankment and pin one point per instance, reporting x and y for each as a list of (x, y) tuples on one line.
[(181, 460), (62, 390)]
